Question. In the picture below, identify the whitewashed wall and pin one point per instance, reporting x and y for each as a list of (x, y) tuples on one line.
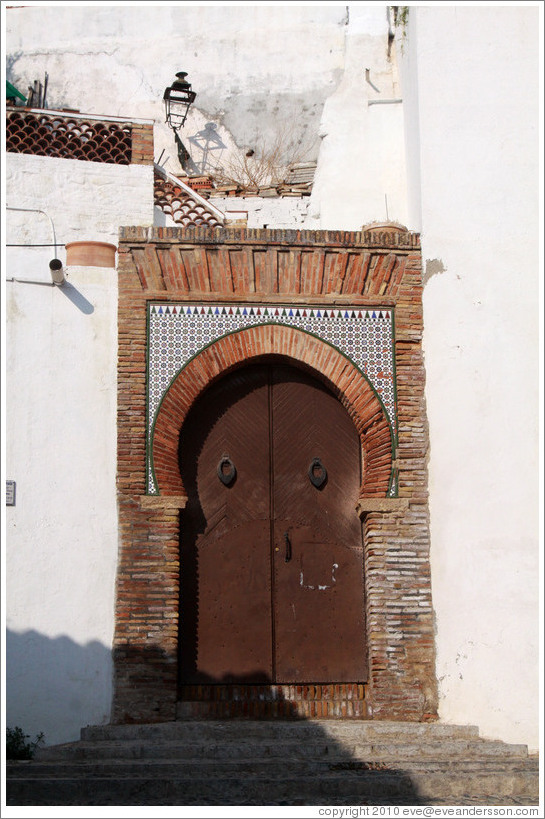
[(289, 76), (464, 172), (84, 200), (361, 170), (471, 88), (273, 212), (60, 434)]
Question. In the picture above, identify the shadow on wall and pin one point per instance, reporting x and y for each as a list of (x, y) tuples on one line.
[(77, 298), (209, 144), (222, 761), (56, 685)]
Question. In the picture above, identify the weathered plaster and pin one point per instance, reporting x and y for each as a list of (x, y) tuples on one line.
[(252, 94), (62, 533), (475, 120), (470, 185), (432, 267), (278, 212), (85, 200), (60, 440), (294, 79)]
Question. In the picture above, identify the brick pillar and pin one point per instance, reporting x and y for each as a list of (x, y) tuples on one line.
[(402, 682), (397, 545), (146, 640), (142, 144), (146, 634)]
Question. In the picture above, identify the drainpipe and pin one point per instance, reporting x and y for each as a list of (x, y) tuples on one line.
[(55, 265), (37, 210)]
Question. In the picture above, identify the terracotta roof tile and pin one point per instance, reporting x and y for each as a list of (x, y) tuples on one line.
[(184, 205)]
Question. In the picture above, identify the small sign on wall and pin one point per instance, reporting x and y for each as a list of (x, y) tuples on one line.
[(10, 493)]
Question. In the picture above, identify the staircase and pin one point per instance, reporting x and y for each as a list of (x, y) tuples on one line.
[(276, 762)]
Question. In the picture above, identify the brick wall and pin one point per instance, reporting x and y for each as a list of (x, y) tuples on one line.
[(142, 143), (361, 268)]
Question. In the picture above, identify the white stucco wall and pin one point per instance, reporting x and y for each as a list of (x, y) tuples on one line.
[(464, 173), (62, 533), (361, 165), (85, 200), (276, 211), (60, 433), (287, 76), (472, 75)]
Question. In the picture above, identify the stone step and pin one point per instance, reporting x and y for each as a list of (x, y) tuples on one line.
[(204, 730), (277, 763), (228, 748), (349, 787), (246, 767)]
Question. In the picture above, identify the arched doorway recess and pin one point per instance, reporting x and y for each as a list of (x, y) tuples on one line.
[(271, 582), (332, 677), (265, 270)]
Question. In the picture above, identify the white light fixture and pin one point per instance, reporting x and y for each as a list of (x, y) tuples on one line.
[(57, 272)]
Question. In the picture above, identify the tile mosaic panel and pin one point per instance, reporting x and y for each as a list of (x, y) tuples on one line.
[(177, 332)]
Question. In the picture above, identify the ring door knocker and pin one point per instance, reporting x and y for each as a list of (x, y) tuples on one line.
[(226, 470), (317, 473)]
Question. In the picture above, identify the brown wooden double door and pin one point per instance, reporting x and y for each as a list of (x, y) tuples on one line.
[(271, 546)]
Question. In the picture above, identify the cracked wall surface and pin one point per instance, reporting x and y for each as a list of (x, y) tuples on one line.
[(456, 160), (292, 84)]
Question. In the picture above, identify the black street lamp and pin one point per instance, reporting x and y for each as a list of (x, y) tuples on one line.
[(178, 99)]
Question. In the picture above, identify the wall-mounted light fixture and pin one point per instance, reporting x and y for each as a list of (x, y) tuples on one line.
[(178, 99), (57, 272)]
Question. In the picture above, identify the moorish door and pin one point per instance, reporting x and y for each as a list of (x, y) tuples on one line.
[(271, 545)]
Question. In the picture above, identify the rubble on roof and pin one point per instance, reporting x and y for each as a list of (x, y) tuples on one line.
[(298, 182), (202, 184)]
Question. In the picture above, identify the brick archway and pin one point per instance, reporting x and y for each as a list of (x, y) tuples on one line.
[(365, 270), (244, 346)]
